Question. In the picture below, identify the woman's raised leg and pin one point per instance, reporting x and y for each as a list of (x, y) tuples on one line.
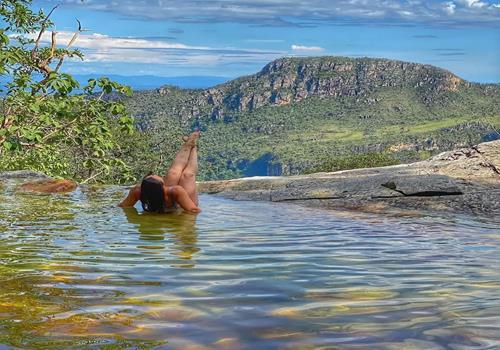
[(174, 173), (188, 177)]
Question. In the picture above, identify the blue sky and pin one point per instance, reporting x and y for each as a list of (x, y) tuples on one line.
[(237, 37)]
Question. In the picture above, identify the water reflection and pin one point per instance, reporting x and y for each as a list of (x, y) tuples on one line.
[(179, 228), (78, 272)]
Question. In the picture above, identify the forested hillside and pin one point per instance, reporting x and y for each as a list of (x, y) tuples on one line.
[(304, 114)]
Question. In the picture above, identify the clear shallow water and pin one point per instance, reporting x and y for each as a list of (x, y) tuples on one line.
[(78, 272)]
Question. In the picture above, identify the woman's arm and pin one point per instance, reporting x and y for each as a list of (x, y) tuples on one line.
[(133, 196), (181, 196)]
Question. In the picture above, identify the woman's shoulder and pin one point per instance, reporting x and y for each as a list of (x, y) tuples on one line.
[(133, 196)]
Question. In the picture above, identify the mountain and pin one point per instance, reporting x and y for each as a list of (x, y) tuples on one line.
[(297, 113)]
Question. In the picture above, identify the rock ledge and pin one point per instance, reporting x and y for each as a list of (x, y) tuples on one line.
[(463, 180)]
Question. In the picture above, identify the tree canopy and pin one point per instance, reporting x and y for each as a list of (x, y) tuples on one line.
[(48, 122)]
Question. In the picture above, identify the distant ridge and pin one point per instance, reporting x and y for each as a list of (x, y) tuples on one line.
[(298, 112), (293, 79), (148, 82)]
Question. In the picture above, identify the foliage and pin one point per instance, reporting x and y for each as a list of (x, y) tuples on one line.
[(47, 121), (50, 123), (304, 135)]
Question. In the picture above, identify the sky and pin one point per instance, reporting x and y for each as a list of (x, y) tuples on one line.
[(230, 38)]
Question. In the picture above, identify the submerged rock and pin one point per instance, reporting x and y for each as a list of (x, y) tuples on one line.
[(49, 186), (28, 180), (465, 180)]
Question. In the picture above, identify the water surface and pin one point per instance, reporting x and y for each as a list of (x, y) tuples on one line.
[(76, 272)]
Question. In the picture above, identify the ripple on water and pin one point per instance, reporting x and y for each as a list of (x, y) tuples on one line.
[(76, 271)]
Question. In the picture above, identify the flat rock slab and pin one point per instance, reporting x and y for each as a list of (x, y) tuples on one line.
[(49, 186), (368, 187), (335, 187), (462, 180)]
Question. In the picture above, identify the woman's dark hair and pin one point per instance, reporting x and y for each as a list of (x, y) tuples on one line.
[(152, 199)]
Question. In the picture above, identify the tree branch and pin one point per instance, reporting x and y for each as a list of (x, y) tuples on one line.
[(71, 42), (7, 123), (40, 34), (92, 177), (56, 130), (75, 36), (44, 65), (59, 64), (31, 145), (53, 44)]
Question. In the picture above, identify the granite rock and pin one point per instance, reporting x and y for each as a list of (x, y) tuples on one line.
[(466, 180)]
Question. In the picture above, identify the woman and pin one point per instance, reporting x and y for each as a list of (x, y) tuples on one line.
[(177, 187)]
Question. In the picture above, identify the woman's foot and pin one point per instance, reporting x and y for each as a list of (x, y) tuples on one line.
[(192, 139)]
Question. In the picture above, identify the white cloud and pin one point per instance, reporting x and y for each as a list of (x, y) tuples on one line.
[(102, 41), (406, 13), (104, 48), (297, 12), (449, 7), (302, 48), (473, 3)]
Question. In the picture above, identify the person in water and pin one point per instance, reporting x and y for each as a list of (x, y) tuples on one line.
[(177, 188)]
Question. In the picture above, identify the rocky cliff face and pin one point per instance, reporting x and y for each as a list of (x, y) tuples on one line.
[(289, 80)]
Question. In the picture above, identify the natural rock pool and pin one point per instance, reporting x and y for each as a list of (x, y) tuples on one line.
[(77, 272)]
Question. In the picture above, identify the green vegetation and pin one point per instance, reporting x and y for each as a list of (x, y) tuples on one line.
[(47, 121), (317, 132), (295, 115)]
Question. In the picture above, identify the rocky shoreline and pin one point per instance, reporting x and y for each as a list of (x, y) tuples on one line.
[(464, 180)]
